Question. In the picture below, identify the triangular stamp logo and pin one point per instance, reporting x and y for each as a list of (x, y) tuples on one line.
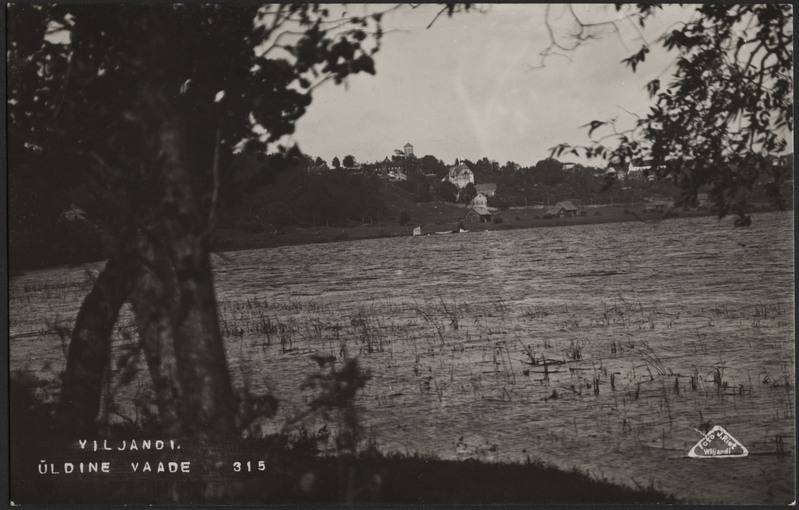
[(718, 443)]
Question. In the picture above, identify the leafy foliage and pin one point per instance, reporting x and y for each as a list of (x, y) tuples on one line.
[(467, 194), (446, 191), (140, 108), (337, 391), (549, 171), (432, 165), (725, 113), (85, 103)]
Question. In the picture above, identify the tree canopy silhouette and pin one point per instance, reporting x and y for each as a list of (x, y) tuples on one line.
[(141, 107), (726, 111)]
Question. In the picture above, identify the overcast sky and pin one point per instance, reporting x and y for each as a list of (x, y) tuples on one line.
[(471, 86)]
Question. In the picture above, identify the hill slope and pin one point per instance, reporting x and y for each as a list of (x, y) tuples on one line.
[(422, 214)]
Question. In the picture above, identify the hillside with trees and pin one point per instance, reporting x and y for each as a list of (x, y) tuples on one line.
[(294, 191)]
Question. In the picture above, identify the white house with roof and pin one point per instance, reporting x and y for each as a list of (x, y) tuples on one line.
[(637, 169), (460, 175), (397, 174), (391, 170), (479, 200)]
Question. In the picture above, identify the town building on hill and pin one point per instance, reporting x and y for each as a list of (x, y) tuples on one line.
[(397, 174), (479, 201), (478, 210), (408, 150), (460, 175), (391, 170), (562, 210), (478, 214), (657, 206), (613, 173), (639, 168)]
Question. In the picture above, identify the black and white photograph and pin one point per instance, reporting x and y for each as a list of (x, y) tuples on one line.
[(400, 254)]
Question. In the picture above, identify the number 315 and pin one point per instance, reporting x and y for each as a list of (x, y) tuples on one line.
[(249, 466)]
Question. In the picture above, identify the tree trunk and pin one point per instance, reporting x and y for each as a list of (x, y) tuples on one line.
[(207, 398), (90, 347), (153, 300)]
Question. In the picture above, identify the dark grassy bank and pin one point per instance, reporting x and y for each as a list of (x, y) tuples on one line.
[(295, 476), (238, 229), (279, 469), (434, 217), (437, 217)]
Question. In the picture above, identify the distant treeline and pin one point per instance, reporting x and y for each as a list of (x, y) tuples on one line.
[(270, 192), (548, 181), (275, 192)]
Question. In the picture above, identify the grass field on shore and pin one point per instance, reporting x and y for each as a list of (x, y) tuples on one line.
[(293, 473)]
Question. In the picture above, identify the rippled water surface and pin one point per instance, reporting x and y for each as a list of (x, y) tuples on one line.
[(602, 347)]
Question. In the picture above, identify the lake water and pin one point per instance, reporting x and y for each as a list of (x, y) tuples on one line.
[(641, 332)]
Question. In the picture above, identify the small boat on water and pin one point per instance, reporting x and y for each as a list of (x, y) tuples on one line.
[(418, 232), (456, 231)]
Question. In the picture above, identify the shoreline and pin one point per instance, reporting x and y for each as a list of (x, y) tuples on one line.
[(231, 240), (236, 240)]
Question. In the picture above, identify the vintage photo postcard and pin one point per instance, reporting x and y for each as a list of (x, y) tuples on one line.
[(400, 254)]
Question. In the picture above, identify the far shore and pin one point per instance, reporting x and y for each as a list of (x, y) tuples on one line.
[(234, 240), (228, 239)]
